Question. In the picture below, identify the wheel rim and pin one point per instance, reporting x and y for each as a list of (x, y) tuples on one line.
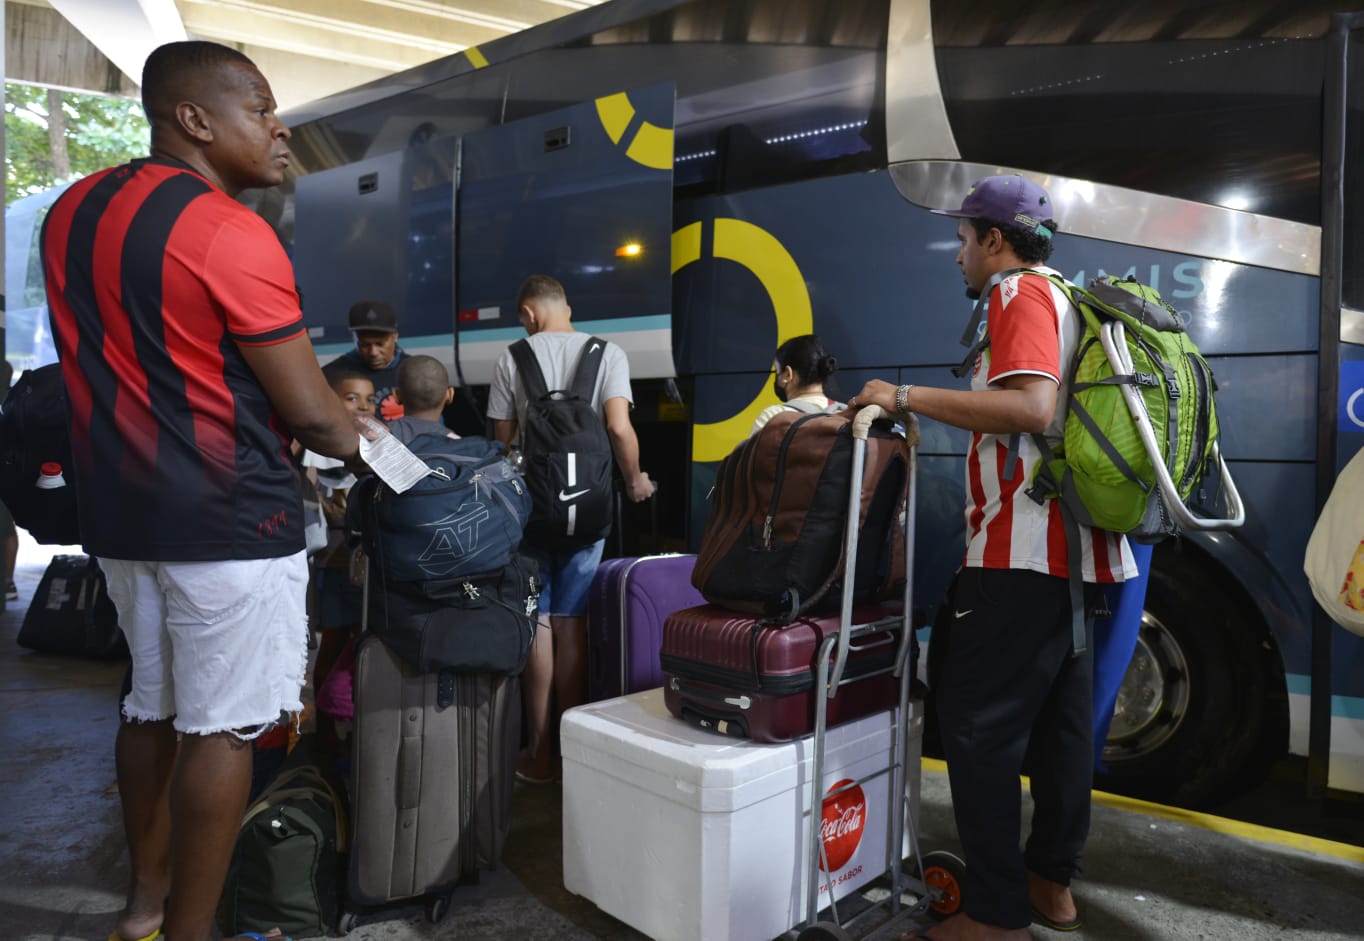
[(1153, 699), (945, 882)]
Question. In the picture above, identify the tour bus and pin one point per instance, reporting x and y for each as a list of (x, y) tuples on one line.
[(711, 177)]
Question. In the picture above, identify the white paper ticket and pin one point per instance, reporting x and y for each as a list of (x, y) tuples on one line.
[(392, 461)]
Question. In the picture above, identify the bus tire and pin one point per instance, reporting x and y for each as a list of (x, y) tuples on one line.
[(1194, 709)]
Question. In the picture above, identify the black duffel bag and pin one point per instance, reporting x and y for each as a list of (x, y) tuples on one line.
[(71, 613), (477, 624)]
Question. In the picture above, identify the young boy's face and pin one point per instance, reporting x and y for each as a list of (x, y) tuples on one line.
[(357, 395)]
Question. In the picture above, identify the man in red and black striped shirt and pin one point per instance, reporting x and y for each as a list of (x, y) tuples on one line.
[(189, 370), (1014, 687)]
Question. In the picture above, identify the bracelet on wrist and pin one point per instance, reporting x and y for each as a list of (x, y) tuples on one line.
[(902, 399)]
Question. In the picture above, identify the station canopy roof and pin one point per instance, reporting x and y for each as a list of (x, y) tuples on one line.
[(306, 48)]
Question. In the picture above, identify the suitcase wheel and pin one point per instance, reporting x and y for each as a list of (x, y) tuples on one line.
[(823, 931), (437, 908), (942, 875), (348, 922)]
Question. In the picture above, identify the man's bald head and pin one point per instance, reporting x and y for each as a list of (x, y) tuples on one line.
[(210, 108), (181, 70)]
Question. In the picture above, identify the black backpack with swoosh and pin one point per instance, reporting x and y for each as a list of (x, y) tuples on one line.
[(567, 453)]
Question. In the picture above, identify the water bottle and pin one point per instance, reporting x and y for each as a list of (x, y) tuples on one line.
[(50, 476)]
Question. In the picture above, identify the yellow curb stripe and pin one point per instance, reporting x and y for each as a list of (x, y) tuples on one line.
[(1236, 828), (476, 57)]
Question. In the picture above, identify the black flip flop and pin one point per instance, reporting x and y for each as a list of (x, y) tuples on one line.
[(1075, 924)]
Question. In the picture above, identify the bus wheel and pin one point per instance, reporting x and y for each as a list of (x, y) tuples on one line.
[(1188, 721)]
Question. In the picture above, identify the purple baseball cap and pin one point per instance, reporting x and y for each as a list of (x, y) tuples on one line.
[(1006, 200)]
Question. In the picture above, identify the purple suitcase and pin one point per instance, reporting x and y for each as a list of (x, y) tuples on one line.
[(629, 601)]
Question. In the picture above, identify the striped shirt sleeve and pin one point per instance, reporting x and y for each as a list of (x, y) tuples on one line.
[(252, 278)]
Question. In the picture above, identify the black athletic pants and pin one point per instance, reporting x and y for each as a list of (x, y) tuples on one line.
[(1013, 699)]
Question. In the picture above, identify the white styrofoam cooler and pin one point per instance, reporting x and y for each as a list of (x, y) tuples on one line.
[(686, 835)]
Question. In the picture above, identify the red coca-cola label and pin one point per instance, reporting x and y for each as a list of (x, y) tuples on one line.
[(841, 825)]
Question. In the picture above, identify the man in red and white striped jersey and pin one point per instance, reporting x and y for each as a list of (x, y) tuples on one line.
[(1013, 690), (189, 370)]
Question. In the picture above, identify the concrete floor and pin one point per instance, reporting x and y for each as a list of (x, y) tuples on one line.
[(1152, 874)]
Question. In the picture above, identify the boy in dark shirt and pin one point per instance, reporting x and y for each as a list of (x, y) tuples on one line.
[(423, 391)]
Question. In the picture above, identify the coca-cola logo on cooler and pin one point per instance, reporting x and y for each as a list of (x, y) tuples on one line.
[(841, 824)]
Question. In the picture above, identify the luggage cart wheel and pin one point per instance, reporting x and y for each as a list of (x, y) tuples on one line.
[(942, 874), (824, 931), (348, 922), (436, 908)]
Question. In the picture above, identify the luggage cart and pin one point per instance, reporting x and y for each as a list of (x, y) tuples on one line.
[(936, 884)]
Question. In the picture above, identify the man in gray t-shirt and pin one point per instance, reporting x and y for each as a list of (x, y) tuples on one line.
[(558, 659)]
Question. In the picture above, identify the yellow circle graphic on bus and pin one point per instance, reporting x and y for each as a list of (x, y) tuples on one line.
[(759, 251), (652, 146)]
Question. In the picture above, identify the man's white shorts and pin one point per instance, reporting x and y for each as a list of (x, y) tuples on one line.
[(218, 646)]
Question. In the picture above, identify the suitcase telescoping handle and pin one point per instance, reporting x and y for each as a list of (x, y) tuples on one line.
[(861, 427)]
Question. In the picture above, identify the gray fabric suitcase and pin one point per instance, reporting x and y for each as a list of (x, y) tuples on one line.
[(431, 777)]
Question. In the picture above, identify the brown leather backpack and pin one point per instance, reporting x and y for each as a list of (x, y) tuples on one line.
[(774, 539)]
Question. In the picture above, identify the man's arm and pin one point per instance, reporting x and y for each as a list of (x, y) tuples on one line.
[(1025, 404), (625, 444), (504, 430), (294, 385)]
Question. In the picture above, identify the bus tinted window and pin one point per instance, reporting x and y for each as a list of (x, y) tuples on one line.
[(35, 285), (1352, 243), (767, 91), (1231, 122)]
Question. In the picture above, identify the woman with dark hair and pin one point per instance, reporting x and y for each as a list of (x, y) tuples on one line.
[(802, 366)]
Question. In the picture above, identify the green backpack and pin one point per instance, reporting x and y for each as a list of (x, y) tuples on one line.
[(287, 868), (1112, 470), (1104, 472)]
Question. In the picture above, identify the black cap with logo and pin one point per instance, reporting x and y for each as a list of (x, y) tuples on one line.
[(378, 316)]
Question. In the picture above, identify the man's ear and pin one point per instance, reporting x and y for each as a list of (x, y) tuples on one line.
[(994, 241), (449, 394), (193, 121)]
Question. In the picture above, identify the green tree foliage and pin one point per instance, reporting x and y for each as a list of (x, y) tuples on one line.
[(99, 132)]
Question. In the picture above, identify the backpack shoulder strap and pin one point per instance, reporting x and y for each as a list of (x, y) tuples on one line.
[(528, 368), (973, 337), (589, 365)]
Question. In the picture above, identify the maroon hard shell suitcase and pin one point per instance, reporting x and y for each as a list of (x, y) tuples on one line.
[(629, 601), (733, 674)]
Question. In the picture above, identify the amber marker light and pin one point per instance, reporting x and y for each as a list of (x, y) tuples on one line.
[(630, 250)]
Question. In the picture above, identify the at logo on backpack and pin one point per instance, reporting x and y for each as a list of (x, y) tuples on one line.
[(454, 542)]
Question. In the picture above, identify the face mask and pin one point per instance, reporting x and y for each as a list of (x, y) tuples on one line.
[(780, 389)]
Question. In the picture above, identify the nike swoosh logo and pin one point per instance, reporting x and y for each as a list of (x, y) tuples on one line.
[(962, 614), (566, 496), (593, 348)]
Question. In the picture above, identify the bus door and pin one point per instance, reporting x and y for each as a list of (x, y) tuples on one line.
[(1336, 743), (583, 194), (381, 228)]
